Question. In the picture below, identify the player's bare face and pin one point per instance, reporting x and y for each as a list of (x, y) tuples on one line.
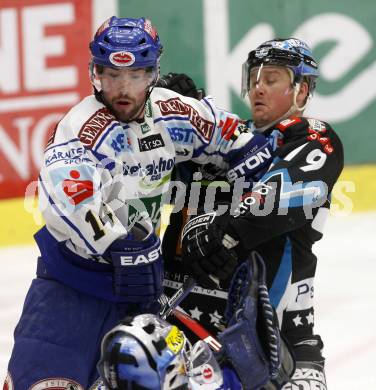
[(125, 91), (270, 94)]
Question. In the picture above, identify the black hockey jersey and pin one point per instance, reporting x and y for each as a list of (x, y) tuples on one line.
[(282, 217)]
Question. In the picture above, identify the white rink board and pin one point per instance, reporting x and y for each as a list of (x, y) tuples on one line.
[(345, 299)]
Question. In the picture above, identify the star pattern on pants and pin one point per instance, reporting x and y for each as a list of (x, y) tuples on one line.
[(195, 313), (309, 318), (297, 320), (215, 317)]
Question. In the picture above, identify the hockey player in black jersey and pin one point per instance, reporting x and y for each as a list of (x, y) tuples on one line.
[(283, 213)]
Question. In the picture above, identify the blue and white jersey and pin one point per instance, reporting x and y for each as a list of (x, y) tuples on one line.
[(100, 175)]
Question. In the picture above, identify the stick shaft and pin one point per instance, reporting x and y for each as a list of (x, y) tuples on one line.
[(174, 301)]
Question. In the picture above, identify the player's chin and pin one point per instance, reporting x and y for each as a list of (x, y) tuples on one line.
[(124, 114), (260, 118)]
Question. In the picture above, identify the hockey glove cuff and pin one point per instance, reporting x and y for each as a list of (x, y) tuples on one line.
[(137, 270)]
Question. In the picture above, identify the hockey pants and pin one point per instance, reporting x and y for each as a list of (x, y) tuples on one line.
[(58, 337)]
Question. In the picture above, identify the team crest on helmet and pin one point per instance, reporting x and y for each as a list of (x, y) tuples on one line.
[(149, 28), (103, 26), (122, 58), (207, 373)]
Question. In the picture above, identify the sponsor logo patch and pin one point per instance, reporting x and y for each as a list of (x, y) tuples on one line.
[(201, 220), (228, 128), (282, 126), (151, 142), (69, 156), (249, 165), (307, 378), (175, 106), (73, 186), (94, 126), (56, 384), (324, 141), (154, 169), (207, 373), (76, 189), (122, 58), (120, 141), (316, 125), (252, 199), (175, 340), (181, 135), (148, 109), (145, 128), (143, 258)]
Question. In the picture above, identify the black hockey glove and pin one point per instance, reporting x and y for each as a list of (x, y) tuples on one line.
[(207, 250), (180, 83)]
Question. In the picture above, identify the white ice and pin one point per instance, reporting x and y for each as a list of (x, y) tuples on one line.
[(345, 290)]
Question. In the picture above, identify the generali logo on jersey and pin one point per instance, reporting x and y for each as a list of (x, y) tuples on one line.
[(43, 62), (175, 106), (94, 126)]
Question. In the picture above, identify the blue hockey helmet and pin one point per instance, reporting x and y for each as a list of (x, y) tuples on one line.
[(292, 53), (137, 353), (126, 42)]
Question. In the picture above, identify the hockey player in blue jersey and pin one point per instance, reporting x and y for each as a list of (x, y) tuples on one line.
[(106, 173)]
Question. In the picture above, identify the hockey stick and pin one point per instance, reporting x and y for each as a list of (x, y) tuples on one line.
[(168, 305), (197, 329)]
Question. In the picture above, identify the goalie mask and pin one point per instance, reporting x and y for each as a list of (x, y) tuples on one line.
[(139, 353)]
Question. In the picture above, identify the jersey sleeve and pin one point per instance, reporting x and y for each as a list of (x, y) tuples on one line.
[(297, 184), (200, 131), (74, 186)]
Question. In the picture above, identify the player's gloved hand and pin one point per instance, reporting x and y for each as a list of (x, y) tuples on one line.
[(137, 269), (207, 250), (251, 159), (180, 83)]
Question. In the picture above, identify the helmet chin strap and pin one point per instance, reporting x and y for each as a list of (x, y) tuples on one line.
[(292, 110)]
